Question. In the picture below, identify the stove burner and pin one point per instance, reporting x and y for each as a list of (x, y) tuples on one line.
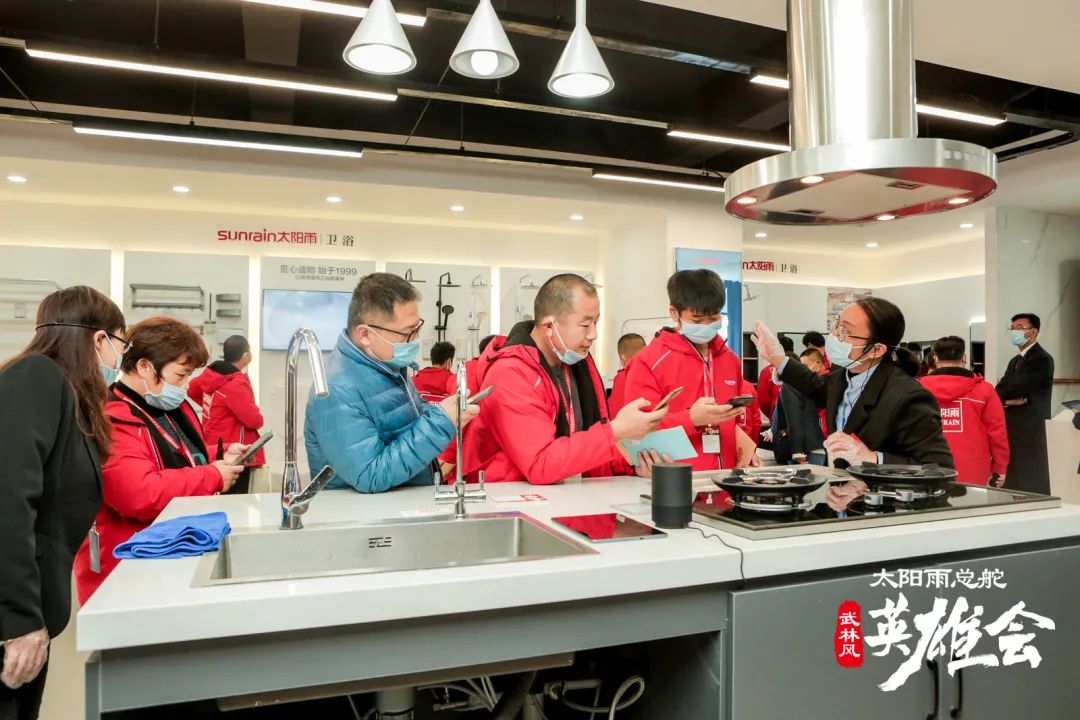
[(769, 504)]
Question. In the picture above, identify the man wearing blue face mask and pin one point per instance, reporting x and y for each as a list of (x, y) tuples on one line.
[(373, 428), (693, 356), (1025, 390)]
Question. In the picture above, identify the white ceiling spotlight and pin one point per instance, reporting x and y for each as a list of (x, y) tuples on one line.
[(484, 51), (457, 208), (182, 189), (966, 226), (379, 45), (581, 72), (871, 245), (761, 235), (16, 178), (577, 217), (333, 199)]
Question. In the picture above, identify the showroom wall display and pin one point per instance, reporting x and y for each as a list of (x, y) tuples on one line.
[(465, 292), (517, 292)]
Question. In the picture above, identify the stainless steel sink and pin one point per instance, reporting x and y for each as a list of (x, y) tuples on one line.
[(321, 551)]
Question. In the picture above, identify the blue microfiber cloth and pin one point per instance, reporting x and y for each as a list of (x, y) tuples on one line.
[(180, 537)]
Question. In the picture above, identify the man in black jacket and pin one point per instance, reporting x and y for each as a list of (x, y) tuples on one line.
[(874, 411), (1025, 390)]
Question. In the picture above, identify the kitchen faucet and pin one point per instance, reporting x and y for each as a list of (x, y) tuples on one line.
[(294, 503), (457, 493)]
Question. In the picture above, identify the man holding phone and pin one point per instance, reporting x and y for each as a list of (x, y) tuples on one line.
[(693, 355)]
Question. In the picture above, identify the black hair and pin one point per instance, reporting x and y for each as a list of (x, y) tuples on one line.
[(914, 347), (441, 352), (814, 354), (700, 291), (787, 343), (234, 348), (908, 361), (556, 296), (813, 338), (950, 348), (485, 342), (1030, 317), (627, 340), (886, 322), (376, 295)]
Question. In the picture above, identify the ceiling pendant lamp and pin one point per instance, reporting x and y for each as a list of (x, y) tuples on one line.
[(581, 72), (484, 51), (379, 45)]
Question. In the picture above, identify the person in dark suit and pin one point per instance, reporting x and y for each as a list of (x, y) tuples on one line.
[(53, 437), (796, 428), (875, 412), (1025, 390)]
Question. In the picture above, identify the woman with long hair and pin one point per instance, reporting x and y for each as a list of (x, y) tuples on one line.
[(54, 435)]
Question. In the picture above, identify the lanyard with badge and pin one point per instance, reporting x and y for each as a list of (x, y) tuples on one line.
[(567, 402), (710, 434)]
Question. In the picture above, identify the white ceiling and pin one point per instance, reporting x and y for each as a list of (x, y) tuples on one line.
[(1030, 41)]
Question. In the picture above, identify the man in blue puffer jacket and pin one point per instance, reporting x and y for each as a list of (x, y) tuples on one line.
[(373, 428)]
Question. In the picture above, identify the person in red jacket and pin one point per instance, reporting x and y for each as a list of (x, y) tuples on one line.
[(436, 383), (158, 451), (472, 365), (546, 419), (629, 346), (972, 416), (694, 356), (768, 390), (229, 412)]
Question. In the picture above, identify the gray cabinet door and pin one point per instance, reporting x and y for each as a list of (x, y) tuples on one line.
[(1048, 583), (783, 662)]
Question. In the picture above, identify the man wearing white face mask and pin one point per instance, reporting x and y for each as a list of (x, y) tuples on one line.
[(875, 412), (373, 428), (547, 418), (1025, 390), (694, 357)]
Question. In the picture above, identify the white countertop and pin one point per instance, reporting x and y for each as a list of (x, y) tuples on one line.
[(146, 602)]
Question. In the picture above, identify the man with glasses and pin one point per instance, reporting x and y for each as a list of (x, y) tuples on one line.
[(1025, 390), (373, 428)]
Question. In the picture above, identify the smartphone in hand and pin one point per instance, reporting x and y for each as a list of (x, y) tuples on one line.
[(667, 399)]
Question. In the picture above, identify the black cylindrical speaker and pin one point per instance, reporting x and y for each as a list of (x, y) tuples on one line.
[(671, 494)]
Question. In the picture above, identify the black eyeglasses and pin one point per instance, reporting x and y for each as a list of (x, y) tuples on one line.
[(409, 336)]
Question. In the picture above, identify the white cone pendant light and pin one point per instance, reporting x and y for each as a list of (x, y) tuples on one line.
[(379, 45), (581, 72), (484, 51)]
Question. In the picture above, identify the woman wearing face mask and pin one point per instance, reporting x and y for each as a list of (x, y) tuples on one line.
[(875, 411), (53, 435), (158, 451)]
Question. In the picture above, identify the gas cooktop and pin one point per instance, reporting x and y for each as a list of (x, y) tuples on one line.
[(767, 516)]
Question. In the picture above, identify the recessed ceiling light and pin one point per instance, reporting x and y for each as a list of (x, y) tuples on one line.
[(871, 244), (577, 217), (181, 189), (966, 226), (886, 217), (761, 235), (16, 178), (770, 80), (959, 201), (811, 180), (747, 200), (457, 208), (333, 199)]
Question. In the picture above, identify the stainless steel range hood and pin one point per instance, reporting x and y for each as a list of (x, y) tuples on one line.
[(856, 158)]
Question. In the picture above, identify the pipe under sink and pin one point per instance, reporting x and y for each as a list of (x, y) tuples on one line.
[(248, 556)]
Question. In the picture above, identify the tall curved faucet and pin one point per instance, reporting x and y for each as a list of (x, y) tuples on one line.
[(293, 502)]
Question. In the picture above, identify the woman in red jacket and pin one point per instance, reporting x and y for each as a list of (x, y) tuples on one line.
[(972, 417), (158, 451)]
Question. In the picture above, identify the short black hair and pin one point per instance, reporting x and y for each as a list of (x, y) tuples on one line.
[(914, 347), (1030, 317), (485, 342), (627, 340), (441, 352), (700, 291), (886, 322), (950, 348), (908, 361), (556, 296), (813, 338), (787, 343), (814, 354), (376, 295), (234, 348)]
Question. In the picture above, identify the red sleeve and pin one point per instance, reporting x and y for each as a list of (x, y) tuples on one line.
[(240, 399), (641, 383), (751, 422), (451, 384), (196, 391), (994, 421), (132, 484), (618, 394), (522, 425)]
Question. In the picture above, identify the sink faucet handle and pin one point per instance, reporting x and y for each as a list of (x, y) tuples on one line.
[(298, 502)]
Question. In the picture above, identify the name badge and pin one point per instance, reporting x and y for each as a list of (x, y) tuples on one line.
[(710, 443)]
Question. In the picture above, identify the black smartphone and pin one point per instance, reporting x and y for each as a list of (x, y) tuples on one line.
[(667, 398), (255, 447), (740, 400), (480, 395)]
